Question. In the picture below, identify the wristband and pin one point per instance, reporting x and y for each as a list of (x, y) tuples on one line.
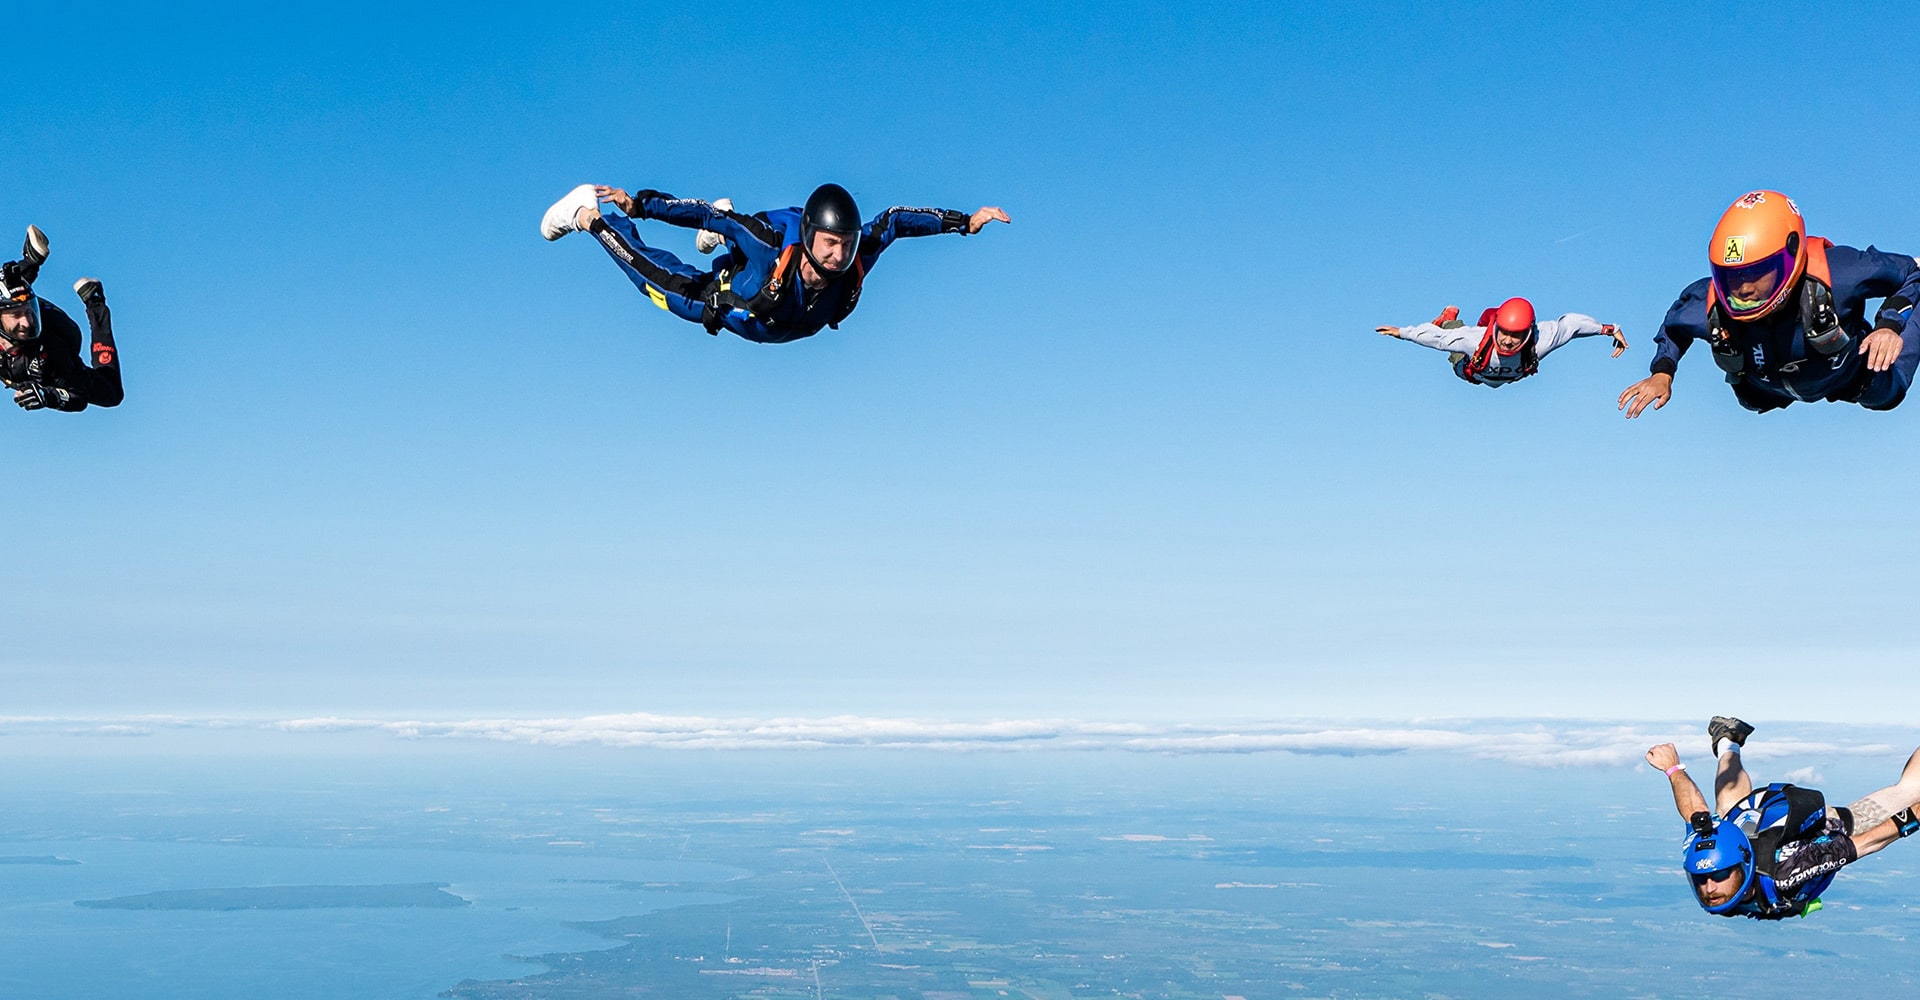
[(1676, 767)]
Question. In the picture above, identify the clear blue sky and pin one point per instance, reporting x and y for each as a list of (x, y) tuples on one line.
[(1138, 454)]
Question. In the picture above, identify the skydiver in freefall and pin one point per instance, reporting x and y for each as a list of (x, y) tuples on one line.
[(1785, 316), (1507, 344), (40, 345), (1771, 852), (787, 272)]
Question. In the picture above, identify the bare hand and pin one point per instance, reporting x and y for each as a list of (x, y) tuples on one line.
[(979, 219), (617, 197), (1662, 757), (1387, 331), (1881, 347), (1619, 339), (1655, 389)]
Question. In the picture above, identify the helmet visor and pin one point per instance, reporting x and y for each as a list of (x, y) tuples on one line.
[(1719, 889), (832, 251), (1752, 290), (20, 318)]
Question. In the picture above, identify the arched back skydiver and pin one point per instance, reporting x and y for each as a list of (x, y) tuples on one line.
[(786, 274), (40, 345), (1771, 852), (1507, 344)]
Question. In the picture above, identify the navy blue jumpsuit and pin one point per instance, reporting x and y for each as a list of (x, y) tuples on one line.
[(1780, 369), (716, 297)]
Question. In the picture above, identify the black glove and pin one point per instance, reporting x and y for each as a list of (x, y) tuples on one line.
[(35, 396)]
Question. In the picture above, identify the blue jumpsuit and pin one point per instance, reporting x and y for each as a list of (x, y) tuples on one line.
[(1780, 369), (717, 297)]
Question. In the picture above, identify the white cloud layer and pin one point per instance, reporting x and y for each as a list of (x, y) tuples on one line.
[(1537, 743)]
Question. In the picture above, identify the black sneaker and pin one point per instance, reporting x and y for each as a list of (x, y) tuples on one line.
[(1726, 727), (90, 290)]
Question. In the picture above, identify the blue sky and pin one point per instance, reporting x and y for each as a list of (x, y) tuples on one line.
[(1137, 455)]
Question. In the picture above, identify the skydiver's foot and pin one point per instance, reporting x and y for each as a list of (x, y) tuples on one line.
[(564, 216), (90, 290), (1726, 727), (34, 251), (1449, 318), (707, 241)]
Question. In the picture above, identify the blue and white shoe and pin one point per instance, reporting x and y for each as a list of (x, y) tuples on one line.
[(558, 221)]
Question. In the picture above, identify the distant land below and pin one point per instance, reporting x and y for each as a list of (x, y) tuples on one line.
[(287, 897), (46, 859)]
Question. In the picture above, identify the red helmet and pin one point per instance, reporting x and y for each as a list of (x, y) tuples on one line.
[(1514, 316)]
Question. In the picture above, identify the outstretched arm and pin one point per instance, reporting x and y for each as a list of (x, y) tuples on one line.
[(897, 222), (1686, 320), (1557, 333), (1459, 338), (1686, 795)]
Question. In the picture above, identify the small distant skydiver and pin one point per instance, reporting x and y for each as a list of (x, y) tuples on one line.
[(1507, 344), (1774, 850), (40, 345), (1785, 316), (786, 273)]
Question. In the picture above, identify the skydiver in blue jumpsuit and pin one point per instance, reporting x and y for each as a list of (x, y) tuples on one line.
[(1785, 316), (786, 274)]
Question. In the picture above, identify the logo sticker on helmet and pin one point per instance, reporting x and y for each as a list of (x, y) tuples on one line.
[(1751, 199), (1736, 251)]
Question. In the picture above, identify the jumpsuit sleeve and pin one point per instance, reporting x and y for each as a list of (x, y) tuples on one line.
[(692, 213), (897, 222), (1555, 334), (1894, 276), (1465, 339), (1686, 321)]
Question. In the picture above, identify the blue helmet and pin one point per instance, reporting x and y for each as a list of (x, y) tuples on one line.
[(1713, 848)]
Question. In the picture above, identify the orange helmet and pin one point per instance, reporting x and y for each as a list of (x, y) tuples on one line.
[(1514, 316), (1756, 254)]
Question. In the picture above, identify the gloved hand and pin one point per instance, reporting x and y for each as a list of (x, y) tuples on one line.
[(35, 396)]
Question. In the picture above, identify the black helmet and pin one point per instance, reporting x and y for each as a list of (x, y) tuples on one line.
[(830, 209), (17, 299)]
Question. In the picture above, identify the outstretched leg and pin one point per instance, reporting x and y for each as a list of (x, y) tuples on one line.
[(671, 283), (1877, 806), (1730, 781), (103, 381)]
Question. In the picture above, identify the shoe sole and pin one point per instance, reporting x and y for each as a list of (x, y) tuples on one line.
[(34, 250), (558, 221)]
